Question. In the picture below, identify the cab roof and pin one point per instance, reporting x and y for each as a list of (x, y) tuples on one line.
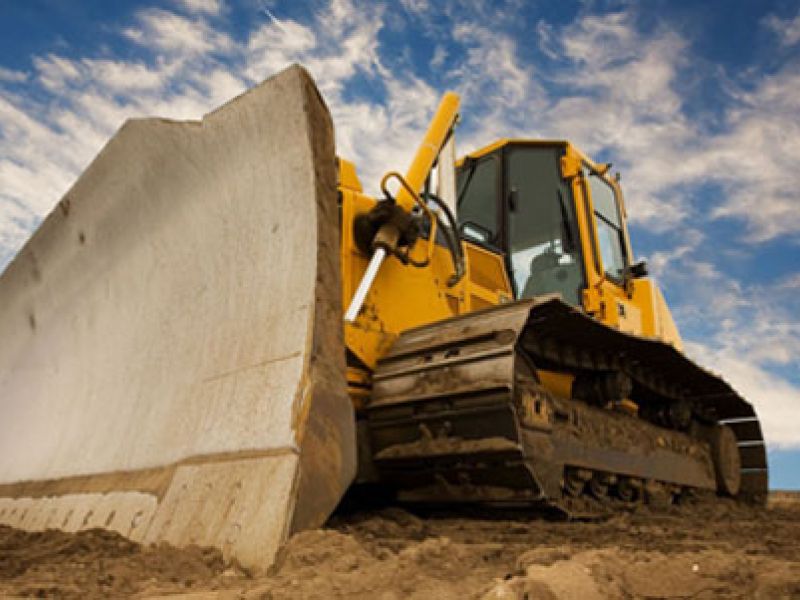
[(497, 145)]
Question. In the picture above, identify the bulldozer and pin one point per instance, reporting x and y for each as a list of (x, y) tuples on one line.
[(218, 332)]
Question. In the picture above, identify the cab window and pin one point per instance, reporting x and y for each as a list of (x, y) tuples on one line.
[(477, 186), (543, 243), (609, 226)]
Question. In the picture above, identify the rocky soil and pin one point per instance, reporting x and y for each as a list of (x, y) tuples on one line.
[(717, 550)]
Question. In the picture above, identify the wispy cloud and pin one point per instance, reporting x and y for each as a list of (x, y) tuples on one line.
[(11, 76), (209, 7), (756, 158), (621, 101), (173, 33), (787, 30)]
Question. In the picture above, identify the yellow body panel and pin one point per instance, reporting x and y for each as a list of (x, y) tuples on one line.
[(657, 319), (557, 383), (403, 296)]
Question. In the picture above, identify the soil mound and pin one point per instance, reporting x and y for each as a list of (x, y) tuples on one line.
[(96, 564), (705, 551)]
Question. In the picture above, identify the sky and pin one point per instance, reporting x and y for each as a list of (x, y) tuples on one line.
[(697, 104)]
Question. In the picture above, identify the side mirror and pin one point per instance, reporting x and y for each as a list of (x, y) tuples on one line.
[(638, 270)]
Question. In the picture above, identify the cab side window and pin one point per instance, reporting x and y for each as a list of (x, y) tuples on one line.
[(609, 226), (477, 187)]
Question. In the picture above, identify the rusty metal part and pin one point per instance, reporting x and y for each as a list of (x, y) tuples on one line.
[(457, 413)]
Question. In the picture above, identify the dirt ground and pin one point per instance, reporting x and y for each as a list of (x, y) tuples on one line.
[(703, 551)]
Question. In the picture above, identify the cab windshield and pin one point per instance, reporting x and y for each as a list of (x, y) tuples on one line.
[(543, 239)]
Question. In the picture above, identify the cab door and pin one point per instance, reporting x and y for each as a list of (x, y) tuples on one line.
[(544, 255), (608, 296)]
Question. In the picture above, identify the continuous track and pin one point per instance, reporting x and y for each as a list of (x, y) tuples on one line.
[(457, 414)]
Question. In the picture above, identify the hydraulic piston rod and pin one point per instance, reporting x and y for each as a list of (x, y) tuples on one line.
[(366, 283)]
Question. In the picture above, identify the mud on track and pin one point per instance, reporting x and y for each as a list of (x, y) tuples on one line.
[(704, 551)]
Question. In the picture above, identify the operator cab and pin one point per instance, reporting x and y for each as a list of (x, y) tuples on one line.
[(526, 200)]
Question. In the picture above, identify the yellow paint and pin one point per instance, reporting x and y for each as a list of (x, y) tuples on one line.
[(657, 320), (404, 296), (559, 384), (348, 179), (628, 406), (487, 274), (440, 127)]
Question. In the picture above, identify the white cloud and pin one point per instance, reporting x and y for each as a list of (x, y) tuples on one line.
[(173, 33), (790, 283), (340, 42), (623, 104), (54, 71), (416, 6), (11, 76), (492, 66), (276, 44), (662, 263), (545, 40), (209, 7), (438, 58), (756, 159), (787, 30), (119, 76)]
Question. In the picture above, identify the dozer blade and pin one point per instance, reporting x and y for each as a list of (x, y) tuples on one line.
[(171, 351)]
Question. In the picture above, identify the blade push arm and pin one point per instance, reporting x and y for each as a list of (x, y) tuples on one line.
[(435, 138), (396, 227)]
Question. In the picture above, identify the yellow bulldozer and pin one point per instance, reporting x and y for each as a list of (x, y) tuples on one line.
[(216, 333)]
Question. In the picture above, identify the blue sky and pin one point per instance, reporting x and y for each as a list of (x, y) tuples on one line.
[(696, 103)]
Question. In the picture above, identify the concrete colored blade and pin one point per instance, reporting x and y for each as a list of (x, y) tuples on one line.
[(171, 355)]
